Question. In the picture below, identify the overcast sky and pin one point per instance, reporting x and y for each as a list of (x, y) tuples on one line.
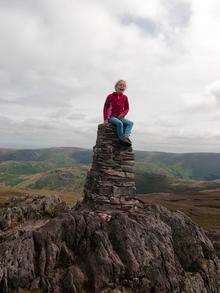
[(60, 59)]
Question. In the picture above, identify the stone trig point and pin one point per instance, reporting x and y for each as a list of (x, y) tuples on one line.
[(111, 175)]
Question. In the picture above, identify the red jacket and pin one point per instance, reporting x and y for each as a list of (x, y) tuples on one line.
[(115, 105)]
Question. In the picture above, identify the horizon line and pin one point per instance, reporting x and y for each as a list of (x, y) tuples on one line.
[(83, 148)]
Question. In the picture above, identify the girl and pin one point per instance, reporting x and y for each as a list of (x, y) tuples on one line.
[(115, 108)]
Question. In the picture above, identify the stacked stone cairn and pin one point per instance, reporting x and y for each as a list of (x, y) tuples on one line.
[(111, 176)]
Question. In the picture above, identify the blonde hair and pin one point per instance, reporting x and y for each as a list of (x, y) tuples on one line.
[(120, 80)]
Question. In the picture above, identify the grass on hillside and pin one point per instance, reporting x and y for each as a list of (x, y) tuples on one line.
[(203, 207), (7, 192)]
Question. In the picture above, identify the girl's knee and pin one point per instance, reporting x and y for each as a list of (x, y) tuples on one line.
[(115, 121)]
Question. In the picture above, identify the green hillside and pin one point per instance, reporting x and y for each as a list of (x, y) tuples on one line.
[(64, 168), (24, 167), (185, 165), (63, 179), (60, 156)]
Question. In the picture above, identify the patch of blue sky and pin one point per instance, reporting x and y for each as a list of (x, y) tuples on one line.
[(146, 25)]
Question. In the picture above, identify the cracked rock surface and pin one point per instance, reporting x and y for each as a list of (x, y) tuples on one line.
[(105, 247)]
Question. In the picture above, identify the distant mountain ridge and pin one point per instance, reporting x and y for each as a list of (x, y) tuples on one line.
[(180, 165), (59, 155)]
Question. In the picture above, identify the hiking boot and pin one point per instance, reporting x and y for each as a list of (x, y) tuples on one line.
[(125, 141), (128, 140)]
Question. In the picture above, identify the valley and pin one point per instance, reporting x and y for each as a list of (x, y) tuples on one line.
[(164, 178)]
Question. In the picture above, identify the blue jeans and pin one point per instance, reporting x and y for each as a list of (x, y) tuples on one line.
[(120, 123)]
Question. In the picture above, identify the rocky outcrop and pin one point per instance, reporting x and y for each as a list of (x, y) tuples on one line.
[(111, 175), (214, 235), (114, 243), (101, 247)]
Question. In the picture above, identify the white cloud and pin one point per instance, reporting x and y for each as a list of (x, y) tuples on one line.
[(58, 61), (214, 90)]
